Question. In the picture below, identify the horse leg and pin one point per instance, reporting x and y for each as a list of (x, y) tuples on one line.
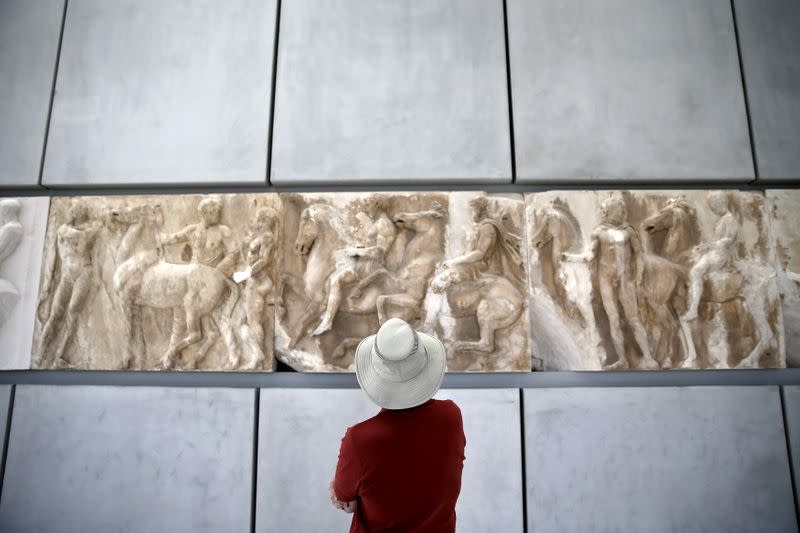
[(210, 334), (401, 300), (311, 312), (341, 349), (334, 299), (194, 335)]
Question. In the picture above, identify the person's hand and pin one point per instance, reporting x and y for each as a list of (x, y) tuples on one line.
[(347, 507)]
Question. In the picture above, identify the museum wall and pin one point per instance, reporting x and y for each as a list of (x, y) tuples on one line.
[(344, 162)]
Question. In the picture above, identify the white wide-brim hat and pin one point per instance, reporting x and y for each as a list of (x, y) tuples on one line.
[(398, 367)]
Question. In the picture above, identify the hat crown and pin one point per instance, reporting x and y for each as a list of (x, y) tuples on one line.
[(396, 340)]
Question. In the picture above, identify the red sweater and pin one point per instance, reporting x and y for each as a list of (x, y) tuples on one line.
[(404, 468)]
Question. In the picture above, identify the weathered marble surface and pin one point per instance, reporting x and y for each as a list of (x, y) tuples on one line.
[(29, 32), (449, 264), (146, 282), (657, 459), (129, 459), (314, 421), (619, 90), (652, 279), (22, 227), (784, 208), (769, 43), (153, 92), (379, 91)]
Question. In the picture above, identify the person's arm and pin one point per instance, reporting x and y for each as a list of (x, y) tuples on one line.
[(344, 488), (180, 236), (587, 256), (485, 240)]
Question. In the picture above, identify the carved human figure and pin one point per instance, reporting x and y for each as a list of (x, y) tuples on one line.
[(258, 253), (715, 255), (70, 284), (10, 236), (360, 261), (616, 248), (487, 281), (210, 241)]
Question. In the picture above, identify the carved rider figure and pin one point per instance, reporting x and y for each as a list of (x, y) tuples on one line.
[(493, 249), (210, 240), (361, 261), (74, 246), (715, 255), (616, 248)]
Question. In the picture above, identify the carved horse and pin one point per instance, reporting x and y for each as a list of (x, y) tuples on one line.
[(194, 293), (755, 283), (664, 286), (571, 282), (322, 236)]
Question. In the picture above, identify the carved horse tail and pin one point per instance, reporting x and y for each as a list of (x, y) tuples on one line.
[(230, 301)]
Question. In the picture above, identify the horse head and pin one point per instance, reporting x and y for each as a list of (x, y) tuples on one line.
[(667, 217), (420, 220), (555, 222)]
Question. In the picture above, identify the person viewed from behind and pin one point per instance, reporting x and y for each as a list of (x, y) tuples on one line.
[(400, 471)]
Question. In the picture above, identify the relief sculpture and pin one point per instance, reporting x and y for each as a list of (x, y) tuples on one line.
[(358, 259), (158, 282), (784, 207), (22, 226), (652, 279), (476, 301)]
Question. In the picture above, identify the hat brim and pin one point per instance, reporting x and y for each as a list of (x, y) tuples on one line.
[(406, 394)]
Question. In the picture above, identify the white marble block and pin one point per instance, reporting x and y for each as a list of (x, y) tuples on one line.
[(657, 460), (769, 42), (380, 91), (153, 92), (29, 32), (129, 459), (22, 228), (300, 431), (626, 90)]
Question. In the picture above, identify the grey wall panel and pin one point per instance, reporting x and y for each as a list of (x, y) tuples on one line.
[(29, 32), (657, 459), (129, 459), (162, 92), (5, 403), (379, 91), (769, 39), (791, 397), (293, 478), (627, 90)]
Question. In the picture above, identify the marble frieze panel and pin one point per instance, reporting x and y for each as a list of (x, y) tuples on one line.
[(784, 206), (159, 282), (652, 279), (22, 227), (450, 264)]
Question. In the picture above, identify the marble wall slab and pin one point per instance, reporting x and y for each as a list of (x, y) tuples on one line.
[(653, 279), (22, 227), (159, 282), (638, 90), (153, 92), (657, 459), (784, 206), (791, 399), (293, 480), (378, 91), (135, 459), (29, 33), (452, 264), (769, 41)]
